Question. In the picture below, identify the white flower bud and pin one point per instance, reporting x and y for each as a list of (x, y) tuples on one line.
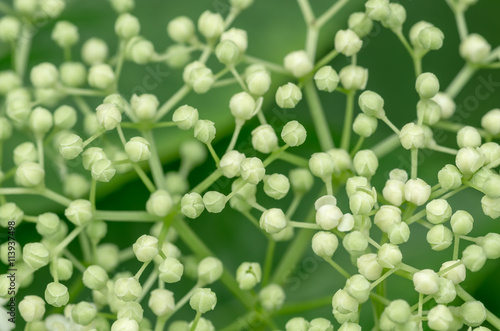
[(73, 74), (347, 42), (32, 308), (35, 255), (185, 117), (144, 106), (159, 203), (491, 122), (273, 220), (30, 174), (398, 311), (469, 160), (364, 125), (461, 222), (9, 81), (103, 170), (389, 256), (343, 303), (371, 103), (161, 302), (475, 49), (193, 152), (450, 177), (324, 244), (101, 76), (264, 139), (83, 313), (288, 96), (65, 34), (320, 324), (427, 85), (122, 6), (298, 63), (140, 50), (210, 269), (40, 121), (248, 275), (346, 223), (301, 180), (10, 212), (56, 294), (439, 237), (127, 289), (412, 136), (398, 174), (79, 212), (252, 170), (353, 77), (321, 165), (457, 274), (9, 29), (272, 297), (326, 200), (438, 211), (203, 300), (125, 324), (365, 163), (276, 186), (198, 76), (431, 38), (92, 155), (297, 324), (204, 131), (65, 117), (341, 160), (415, 33), (360, 23), (326, 79), (417, 191), (230, 163), (127, 26), (47, 224), (328, 216), (242, 106), (181, 29), (358, 287), (293, 133), (387, 216), (426, 281), (170, 250), (44, 75), (446, 104), (237, 36), (398, 233), (468, 137), (227, 52), (71, 146), (258, 82), (137, 149), (491, 245), (439, 318), (377, 10), (94, 51), (145, 248), (95, 277), (192, 205), (473, 313), (355, 243), (446, 292), (171, 270), (211, 25), (473, 257), (396, 18), (214, 201), (491, 207), (177, 56), (393, 192)]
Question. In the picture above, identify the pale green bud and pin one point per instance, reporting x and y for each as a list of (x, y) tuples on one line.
[(211, 25), (204, 131), (362, 202), (446, 104), (238, 37), (461, 222), (450, 177), (140, 50), (71, 146), (386, 216), (446, 292), (371, 103), (242, 106), (398, 311), (348, 326), (90, 125), (40, 121), (65, 34), (127, 289), (210, 269), (360, 23), (132, 310), (341, 160), (396, 18), (161, 302), (320, 324), (429, 112), (127, 26), (343, 303), (326, 200), (103, 170), (491, 207), (427, 85), (324, 244), (10, 250), (491, 245), (431, 38), (473, 313), (181, 29), (145, 248), (398, 233), (108, 116), (203, 300), (94, 51), (439, 318), (10, 212), (56, 294), (276, 186), (79, 212), (365, 163), (107, 256), (328, 216), (353, 77), (30, 174), (92, 155), (177, 56), (9, 81), (355, 243), (144, 106), (426, 281), (171, 270), (214, 201), (297, 324), (457, 274), (469, 160), (439, 237), (198, 76), (272, 297), (345, 318), (358, 287), (230, 163), (298, 63), (389, 256), (288, 96), (293, 134), (83, 313), (258, 82), (192, 205), (159, 203), (95, 277), (47, 224), (301, 180), (185, 117), (32, 308), (252, 170), (44, 75), (170, 250), (415, 33), (321, 165), (65, 117), (438, 211), (491, 152), (52, 8), (264, 139), (75, 186), (5, 129), (101, 76), (137, 149), (326, 79), (377, 10), (475, 49), (490, 122), (412, 136), (473, 257), (175, 183), (347, 42), (417, 191), (227, 52), (10, 28), (273, 220), (122, 6), (346, 223), (364, 125), (125, 324), (248, 275)]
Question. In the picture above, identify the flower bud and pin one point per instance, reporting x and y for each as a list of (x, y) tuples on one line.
[(44, 75), (204, 131), (490, 122), (127, 26), (258, 82), (56, 294), (491, 245), (326, 79), (393, 192), (377, 10), (65, 117), (371, 104), (198, 76), (125, 324), (95, 277), (177, 56), (145, 248), (431, 38), (347, 42), (360, 23), (326, 200), (276, 186), (242, 106), (417, 191), (181, 29), (238, 37), (193, 152), (389, 256), (252, 170), (446, 292), (446, 104), (320, 324), (473, 313), (144, 106), (103, 170), (321, 165), (362, 202), (346, 223), (171, 270), (230, 163), (71, 146), (324, 244), (5, 129), (450, 177), (94, 51), (140, 50), (364, 125), (358, 287), (227, 52), (10, 212), (273, 220), (301, 180), (185, 117), (211, 25), (288, 96), (457, 274), (63, 269), (272, 297), (328, 216), (9, 81), (293, 133), (398, 233), (40, 121), (491, 152), (92, 155), (355, 243), (440, 318), (396, 18), (30, 174), (127, 289), (427, 85), (475, 49), (101, 76), (192, 205), (161, 302), (439, 237), (248, 275), (203, 300), (469, 160), (473, 257), (83, 313), (398, 311), (387, 216), (47, 224), (32, 308), (214, 201), (491, 207), (10, 28), (343, 303), (35, 255), (264, 139), (65, 34), (461, 222), (297, 324), (79, 212), (298, 63), (365, 163), (438, 211), (210, 269), (137, 149), (415, 34), (159, 203), (353, 77), (426, 281)]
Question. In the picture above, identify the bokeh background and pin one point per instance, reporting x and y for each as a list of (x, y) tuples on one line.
[(276, 28)]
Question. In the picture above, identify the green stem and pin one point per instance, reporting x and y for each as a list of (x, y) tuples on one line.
[(295, 160), (329, 13), (174, 99), (269, 65), (154, 161), (383, 277), (234, 138), (318, 116), (338, 268), (460, 80), (349, 114), (23, 50), (93, 187), (214, 154), (196, 320), (386, 146), (125, 216), (461, 24), (62, 245), (296, 308), (304, 225), (297, 198), (326, 59), (414, 162), (271, 244)]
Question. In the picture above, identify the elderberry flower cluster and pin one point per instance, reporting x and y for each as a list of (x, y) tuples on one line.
[(69, 133)]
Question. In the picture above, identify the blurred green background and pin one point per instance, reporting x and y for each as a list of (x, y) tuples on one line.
[(276, 28)]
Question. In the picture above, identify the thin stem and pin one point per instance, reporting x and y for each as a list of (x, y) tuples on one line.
[(304, 225), (297, 198), (23, 50), (296, 308), (386, 146), (234, 138), (74, 260), (196, 320), (39, 147), (69, 238), (207, 182), (141, 270), (349, 113), (294, 159), (414, 162), (383, 277), (154, 161), (214, 154), (443, 149), (119, 64), (338, 268), (318, 116), (306, 10), (92, 138), (238, 78), (490, 317), (330, 13), (271, 244), (125, 216), (460, 80), (170, 103), (274, 155), (405, 42), (390, 124), (93, 187), (461, 24), (326, 59), (269, 65)]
